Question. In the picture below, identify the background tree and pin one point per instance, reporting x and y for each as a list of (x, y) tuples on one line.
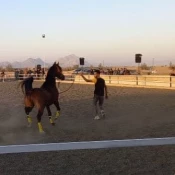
[(9, 68), (75, 66), (100, 66), (171, 66), (144, 66)]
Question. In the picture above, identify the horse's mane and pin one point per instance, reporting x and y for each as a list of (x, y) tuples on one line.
[(51, 72)]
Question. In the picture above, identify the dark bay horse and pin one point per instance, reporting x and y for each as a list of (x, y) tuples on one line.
[(44, 96)]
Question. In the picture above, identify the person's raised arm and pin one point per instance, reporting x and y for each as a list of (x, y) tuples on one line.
[(87, 80)]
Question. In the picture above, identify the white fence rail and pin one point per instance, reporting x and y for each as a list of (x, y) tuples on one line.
[(106, 144), (134, 80)]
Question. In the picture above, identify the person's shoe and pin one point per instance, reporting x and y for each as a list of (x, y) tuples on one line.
[(102, 113), (97, 118)]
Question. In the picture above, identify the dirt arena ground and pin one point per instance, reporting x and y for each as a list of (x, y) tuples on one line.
[(130, 113)]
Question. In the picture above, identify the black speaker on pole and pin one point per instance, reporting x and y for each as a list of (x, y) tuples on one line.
[(81, 61), (38, 67), (138, 58)]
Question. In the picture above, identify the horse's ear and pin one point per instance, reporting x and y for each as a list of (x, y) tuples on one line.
[(58, 63), (54, 63)]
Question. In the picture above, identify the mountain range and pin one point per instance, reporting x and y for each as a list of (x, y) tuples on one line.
[(70, 61), (28, 63), (67, 61)]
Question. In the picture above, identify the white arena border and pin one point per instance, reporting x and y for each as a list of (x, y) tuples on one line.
[(86, 145)]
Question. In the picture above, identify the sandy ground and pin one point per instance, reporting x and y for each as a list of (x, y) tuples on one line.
[(130, 113)]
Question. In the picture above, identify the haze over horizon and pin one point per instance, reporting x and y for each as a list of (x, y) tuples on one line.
[(113, 31)]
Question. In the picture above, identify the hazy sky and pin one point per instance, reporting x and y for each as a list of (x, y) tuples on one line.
[(109, 30)]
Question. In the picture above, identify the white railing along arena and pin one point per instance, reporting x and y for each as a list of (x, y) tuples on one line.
[(105, 144)]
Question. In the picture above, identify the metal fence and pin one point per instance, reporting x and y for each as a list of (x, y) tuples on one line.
[(11, 77), (135, 80), (132, 80)]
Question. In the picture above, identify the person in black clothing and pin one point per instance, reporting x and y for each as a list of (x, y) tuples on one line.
[(92, 72), (99, 93)]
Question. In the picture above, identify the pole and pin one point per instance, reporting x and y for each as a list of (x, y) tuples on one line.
[(153, 64), (138, 68), (43, 36), (82, 68)]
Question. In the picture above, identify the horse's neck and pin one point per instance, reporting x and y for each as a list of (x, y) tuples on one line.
[(49, 82)]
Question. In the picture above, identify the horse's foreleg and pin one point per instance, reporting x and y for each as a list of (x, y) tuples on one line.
[(50, 115), (39, 115), (27, 111), (58, 109)]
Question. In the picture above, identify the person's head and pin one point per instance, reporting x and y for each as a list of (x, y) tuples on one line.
[(96, 73)]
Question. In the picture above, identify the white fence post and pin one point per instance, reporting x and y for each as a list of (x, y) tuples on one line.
[(110, 79), (170, 81), (137, 80)]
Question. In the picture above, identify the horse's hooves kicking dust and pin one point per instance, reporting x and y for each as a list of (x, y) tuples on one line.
[(44, 96), (53, 124)]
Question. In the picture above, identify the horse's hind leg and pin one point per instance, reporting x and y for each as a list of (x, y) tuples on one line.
[(58, 109), (39, 115), (28, 108), (50, 115), (27, 111)]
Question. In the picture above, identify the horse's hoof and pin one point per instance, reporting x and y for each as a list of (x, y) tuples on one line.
[(53, 124), (42, 132), (56, 117), (57, 114)]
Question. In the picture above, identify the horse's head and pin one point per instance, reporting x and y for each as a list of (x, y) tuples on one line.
[(58, 71)]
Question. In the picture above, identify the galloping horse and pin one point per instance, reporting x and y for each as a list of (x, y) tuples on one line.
[(44, 96)]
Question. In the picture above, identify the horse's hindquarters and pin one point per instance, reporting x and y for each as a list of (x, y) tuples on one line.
[(28, 101)]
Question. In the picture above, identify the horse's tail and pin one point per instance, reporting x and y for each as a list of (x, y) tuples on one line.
[(26, 85)]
